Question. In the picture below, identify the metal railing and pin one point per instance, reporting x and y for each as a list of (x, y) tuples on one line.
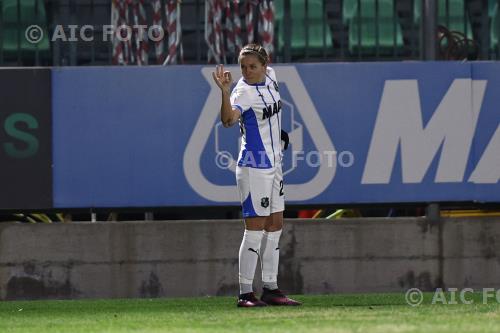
[(305, 30)]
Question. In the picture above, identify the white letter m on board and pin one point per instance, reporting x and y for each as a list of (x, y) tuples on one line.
[(399, 124)]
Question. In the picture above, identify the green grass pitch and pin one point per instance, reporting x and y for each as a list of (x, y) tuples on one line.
[(333, 313)]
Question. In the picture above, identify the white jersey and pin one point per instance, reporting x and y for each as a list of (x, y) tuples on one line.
[(260, 122)]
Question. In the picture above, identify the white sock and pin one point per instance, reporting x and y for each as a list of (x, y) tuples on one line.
[(249, 253), (270, 259)]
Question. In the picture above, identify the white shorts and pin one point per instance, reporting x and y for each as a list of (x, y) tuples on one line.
[(261, 190)]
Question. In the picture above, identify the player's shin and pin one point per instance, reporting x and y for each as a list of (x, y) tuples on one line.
[(270, 259), (248, 256)]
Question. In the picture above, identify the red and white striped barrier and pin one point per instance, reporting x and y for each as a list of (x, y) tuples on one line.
[(213, 31), (140, 34), (249, 21), (238, 41), (230, 29), (118, 10), (158, 23), (266, 26), (172, 13)]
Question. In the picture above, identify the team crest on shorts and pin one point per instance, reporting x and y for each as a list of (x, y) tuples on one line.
[(264, 202)]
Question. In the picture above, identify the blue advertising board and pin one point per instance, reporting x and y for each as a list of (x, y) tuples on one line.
[(359, 132)]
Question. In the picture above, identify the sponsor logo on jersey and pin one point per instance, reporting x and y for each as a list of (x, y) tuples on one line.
[(271, 110)]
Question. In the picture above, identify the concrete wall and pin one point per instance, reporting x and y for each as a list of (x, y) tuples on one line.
[(195, 258)]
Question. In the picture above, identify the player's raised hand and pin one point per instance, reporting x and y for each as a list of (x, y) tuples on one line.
[(222, 78)]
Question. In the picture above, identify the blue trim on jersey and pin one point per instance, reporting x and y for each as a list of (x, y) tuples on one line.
[(272, 143), (272, 96), (270, 78), (238, 107), (269, 121), (255, 84), (247, 207), (274, 100), (253, 154)]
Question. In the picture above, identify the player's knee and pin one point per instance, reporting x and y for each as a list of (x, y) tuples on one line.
[(255, 223), (274, 223)]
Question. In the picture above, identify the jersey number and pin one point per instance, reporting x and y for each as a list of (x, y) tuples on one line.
[(281, 188)]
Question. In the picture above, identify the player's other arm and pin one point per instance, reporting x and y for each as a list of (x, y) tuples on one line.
[(223, 79)]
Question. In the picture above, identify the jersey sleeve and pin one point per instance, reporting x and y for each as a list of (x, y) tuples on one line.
[(240, 100), (271, 73)]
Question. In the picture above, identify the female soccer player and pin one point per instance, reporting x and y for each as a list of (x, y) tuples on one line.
[(255, 103)]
